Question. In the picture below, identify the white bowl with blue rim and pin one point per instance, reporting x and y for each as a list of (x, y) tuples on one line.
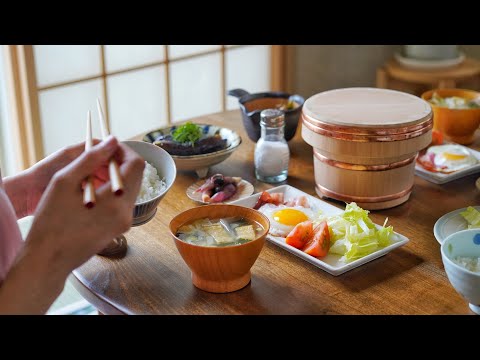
[(202, 162), (465, 243)]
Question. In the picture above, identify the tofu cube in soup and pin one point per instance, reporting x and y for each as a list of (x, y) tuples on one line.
[(245, 232)]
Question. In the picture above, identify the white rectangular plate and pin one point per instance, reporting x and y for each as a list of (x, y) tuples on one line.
[(330, 263), (439, 178)]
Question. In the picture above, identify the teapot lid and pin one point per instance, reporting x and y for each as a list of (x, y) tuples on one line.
[(367, 107)]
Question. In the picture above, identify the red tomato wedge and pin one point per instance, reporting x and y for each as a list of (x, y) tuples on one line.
[(319, 245), (300, 234), (437, 137)]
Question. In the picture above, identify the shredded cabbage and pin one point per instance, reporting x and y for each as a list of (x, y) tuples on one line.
[(472, 216), (454, 102), (353, 235)]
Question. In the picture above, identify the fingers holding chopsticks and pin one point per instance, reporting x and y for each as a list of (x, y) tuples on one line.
[(71, 177), (131, 167), (113, 171), (88, 162), (62, 222), (125, 167)]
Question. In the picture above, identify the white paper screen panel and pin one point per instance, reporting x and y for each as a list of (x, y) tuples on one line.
[(137, 101), (247, 68), (61, 63), (176, 51), (195, 87), (119, 57), (63, 114)]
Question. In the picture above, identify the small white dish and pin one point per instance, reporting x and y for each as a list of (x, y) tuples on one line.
[(422, 64), (244, 189), (464, 281), (440, 178), (450, 223), (330, 263)]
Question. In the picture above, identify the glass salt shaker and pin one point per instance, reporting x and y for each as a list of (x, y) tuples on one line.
[(271, 152)]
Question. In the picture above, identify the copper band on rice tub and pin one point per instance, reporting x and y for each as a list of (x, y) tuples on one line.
[(357, 167), (363, 199), (367, 138), (376, 130)]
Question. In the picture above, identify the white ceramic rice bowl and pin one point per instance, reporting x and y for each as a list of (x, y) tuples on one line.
[(465, 282), (166, 168)]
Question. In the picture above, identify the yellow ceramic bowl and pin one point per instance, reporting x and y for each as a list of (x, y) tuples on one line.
[(458, 125)]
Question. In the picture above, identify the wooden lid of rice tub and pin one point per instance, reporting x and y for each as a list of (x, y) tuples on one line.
[(368, 111)]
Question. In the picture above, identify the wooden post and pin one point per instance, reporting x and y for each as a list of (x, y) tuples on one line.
[(382, 78), (447, 84), (28, 83), (24, 110), (16, 115), (278, 67)]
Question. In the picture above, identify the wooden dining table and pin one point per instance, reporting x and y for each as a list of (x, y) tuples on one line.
[(153, 278)]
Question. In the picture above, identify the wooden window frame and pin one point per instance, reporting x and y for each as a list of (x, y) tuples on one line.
[(282, 68), (23, 89), (24, 111)]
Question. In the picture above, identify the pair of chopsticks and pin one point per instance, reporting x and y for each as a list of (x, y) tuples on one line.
[(113, 171)]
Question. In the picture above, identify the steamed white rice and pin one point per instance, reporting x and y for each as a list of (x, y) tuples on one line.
[(152, 185), (469, 263)]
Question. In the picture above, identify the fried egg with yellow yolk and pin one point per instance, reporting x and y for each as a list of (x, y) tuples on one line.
[(452, 157), (284, 218)]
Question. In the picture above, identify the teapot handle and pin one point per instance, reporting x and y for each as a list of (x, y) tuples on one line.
[(238, 93)]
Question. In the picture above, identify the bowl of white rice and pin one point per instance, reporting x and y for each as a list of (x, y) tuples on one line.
[(158, 177), (461, 258)]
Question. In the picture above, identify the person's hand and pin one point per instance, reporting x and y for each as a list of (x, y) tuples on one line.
[(64, 230), (42, 172)]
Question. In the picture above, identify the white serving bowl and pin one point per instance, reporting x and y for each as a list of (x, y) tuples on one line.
[(465, 282), (202, 162), (163, 162)]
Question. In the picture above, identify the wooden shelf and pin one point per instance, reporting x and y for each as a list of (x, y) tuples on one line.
[(393, 75)]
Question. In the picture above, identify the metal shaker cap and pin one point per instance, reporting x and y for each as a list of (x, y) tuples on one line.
[(272, 118)]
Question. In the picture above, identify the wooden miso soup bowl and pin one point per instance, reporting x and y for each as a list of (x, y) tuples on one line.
[(220, 269)]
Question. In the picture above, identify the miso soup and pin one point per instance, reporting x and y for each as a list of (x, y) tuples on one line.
[(219, 232)]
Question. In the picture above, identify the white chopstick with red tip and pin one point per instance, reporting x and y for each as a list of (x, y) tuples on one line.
[(113, 171), (89, 190)]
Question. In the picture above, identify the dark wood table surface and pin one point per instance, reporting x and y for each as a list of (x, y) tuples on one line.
[(153, 279)]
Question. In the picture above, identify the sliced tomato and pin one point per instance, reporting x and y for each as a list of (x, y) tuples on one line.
[(437, 137), (319, 245), (300, 235)]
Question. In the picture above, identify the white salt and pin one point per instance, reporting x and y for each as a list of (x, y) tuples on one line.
[(271, 158)]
